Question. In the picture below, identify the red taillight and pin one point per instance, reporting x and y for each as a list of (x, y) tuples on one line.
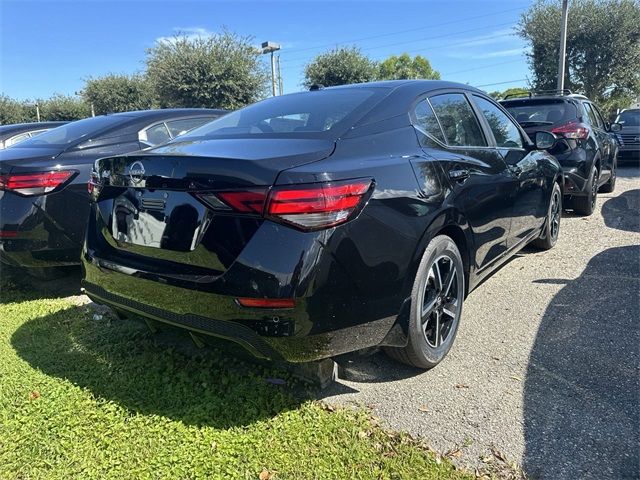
[(571, 130), (310, 206), (316, 206), (266, 302), (8, 234), (34, 183), (250, 201)]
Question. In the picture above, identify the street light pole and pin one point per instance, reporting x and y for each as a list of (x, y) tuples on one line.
[(270, 47), (563, 44)]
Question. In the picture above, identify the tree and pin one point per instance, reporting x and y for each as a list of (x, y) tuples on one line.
[(339, 67), (404, 67), (63, 107), (515, 91), (117, 93), (603, 47), (14, 111), (219, 71)]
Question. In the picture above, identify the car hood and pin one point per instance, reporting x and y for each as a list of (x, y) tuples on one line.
[(26, 157)]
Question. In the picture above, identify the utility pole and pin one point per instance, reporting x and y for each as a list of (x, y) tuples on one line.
[(563, 44), (38, 112), (279, 77), (270, 47)]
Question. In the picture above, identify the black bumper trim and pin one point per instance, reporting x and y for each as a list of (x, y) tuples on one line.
[(219, 328)]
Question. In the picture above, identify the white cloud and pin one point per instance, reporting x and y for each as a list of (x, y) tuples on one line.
[(190, 33), (512, 52)]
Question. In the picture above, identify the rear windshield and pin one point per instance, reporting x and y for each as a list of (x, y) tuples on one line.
[(541, 112), (630, 118), (69, 133), (317, 114)]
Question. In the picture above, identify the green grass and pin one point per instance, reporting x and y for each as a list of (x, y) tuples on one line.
[(85, 398)]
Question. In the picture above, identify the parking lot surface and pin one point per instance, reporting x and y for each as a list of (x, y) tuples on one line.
[(545, 369)]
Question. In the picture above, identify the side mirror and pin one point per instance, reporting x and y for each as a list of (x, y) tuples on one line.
[(545, 140), (615, 127)]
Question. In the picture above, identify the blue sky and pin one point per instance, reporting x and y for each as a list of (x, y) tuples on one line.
[(51, 46)]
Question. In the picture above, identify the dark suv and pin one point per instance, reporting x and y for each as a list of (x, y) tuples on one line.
[(629, 134), (588, 154)]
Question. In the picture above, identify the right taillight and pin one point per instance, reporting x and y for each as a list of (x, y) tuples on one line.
[(571, 130), (317, 205), (35, 183), (307, 207)]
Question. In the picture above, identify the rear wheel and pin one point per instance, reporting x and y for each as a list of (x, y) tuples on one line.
[(586, 204), (551, 229), (436, 305)]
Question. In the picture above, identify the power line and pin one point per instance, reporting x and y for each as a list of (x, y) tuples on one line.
[(460, 20), (296, 60), (501, 83), (482, 67)]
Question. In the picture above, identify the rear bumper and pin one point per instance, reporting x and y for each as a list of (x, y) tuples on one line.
[(330, 316)]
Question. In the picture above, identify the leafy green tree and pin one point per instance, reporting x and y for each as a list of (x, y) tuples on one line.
[(222, 71), (404, 67), (519, 91), (117, 93), (63, 107), (603, 47), (339, 67), (15, 111)]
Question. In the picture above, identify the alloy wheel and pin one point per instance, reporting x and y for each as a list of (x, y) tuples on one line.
[(555, 214), (441, 301), (594, 191)]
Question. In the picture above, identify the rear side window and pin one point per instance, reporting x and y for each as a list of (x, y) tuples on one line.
[(180, 127), (593, 116), (427, 121), (459, 123), (541, 112), (156, 134), (504, 130)]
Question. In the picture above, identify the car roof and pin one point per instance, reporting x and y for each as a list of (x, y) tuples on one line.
[(573, 96), (28, 127), (410, 85), (169, 112)]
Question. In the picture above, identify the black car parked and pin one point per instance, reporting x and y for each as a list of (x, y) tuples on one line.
[(589, 153), (323, 222), (18, 132), (629, 134), (43, 181)]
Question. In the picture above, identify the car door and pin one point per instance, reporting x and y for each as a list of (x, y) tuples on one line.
[(531, 195), (604, 144), (611, 140), (481, 182)]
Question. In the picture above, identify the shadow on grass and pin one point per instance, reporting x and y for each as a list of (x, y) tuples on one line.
[(17, 285), (161, 374)]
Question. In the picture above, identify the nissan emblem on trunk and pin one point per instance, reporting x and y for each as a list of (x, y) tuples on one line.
[(136, 172)]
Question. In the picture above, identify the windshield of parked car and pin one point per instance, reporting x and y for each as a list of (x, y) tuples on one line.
[(316, 114), (541, 112), (69, 133), (629, 118)]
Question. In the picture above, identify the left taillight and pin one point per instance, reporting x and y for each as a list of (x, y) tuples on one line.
[(35, 183)]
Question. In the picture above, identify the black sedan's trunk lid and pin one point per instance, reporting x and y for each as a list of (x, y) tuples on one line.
[(149, 205)]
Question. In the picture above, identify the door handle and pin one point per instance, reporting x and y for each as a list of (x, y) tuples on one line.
[(459, 175)]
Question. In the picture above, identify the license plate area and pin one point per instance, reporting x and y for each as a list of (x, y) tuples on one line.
[(165, 220)]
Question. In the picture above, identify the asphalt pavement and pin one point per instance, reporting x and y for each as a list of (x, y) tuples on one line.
[(545, 371)]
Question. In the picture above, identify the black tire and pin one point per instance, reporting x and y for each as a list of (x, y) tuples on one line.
[(610, 186), (551, 229), (585, 205), (433, 322)]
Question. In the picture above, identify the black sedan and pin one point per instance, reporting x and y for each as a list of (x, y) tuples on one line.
[(19, 132), (43, 180), (323, 222)]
